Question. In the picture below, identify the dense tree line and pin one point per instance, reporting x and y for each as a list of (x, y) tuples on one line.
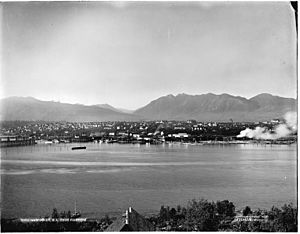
[(203, 215)]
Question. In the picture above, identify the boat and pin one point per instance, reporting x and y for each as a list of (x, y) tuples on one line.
[(76, 214), (78, 147)]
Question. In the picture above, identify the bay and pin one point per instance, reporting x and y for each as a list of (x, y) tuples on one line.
[(108, 178)]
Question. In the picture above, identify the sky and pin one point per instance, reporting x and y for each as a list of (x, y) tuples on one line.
[(127, 54)]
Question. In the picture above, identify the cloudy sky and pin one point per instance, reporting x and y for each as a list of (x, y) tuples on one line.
[(127, 54)]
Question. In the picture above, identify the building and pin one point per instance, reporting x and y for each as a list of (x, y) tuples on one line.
[(130, 221), (6, 141), (250, 218)]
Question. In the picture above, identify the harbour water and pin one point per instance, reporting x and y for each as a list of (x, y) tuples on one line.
[(107, 178)]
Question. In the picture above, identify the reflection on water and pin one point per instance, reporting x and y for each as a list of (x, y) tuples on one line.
[(108, 177)]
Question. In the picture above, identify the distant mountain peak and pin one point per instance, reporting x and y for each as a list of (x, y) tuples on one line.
[(209, 94), (105, 105), (181, 94), (264, 95), (170, 96), (226, 95)]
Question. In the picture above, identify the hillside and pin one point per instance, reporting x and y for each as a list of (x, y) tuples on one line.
[(28, 108), (107, 106), (212, 107)]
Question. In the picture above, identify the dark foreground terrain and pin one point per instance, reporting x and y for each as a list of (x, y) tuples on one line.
[(198, 215)]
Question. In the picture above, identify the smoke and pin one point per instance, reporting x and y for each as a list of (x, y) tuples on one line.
[(282, 130), (291, 120)]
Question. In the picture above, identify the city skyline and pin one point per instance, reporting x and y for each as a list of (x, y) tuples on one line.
[(128, 54)]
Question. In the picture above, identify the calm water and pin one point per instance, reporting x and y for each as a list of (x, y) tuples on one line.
[(107, 178)]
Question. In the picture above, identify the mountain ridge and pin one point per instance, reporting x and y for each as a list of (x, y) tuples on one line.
[(32, 109), (213, 107), (201, 107)]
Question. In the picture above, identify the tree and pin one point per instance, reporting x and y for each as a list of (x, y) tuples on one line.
[(163, 214), (225, 208), (201, 216), (254, 226), (69, 215), (63, 214), (55, 214), (240, 227), (107, 220), (247, 211), (289, 218), (283, 220), (183, 211), (172, 213), (168, 213), (178, 209)]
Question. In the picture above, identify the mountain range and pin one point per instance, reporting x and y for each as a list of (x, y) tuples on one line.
[(212, 107), (28, 108), (205, 107)]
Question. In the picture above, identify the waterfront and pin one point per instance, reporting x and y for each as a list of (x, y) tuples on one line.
[(107, 178)]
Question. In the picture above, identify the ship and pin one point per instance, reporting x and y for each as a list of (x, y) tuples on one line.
[(76, 214), (78, 147)]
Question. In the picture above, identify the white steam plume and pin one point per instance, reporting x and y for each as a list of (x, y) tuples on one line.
[(282, 130)]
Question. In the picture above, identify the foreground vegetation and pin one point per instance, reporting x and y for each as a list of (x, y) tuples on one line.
[(198, 215), (202, 215)]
